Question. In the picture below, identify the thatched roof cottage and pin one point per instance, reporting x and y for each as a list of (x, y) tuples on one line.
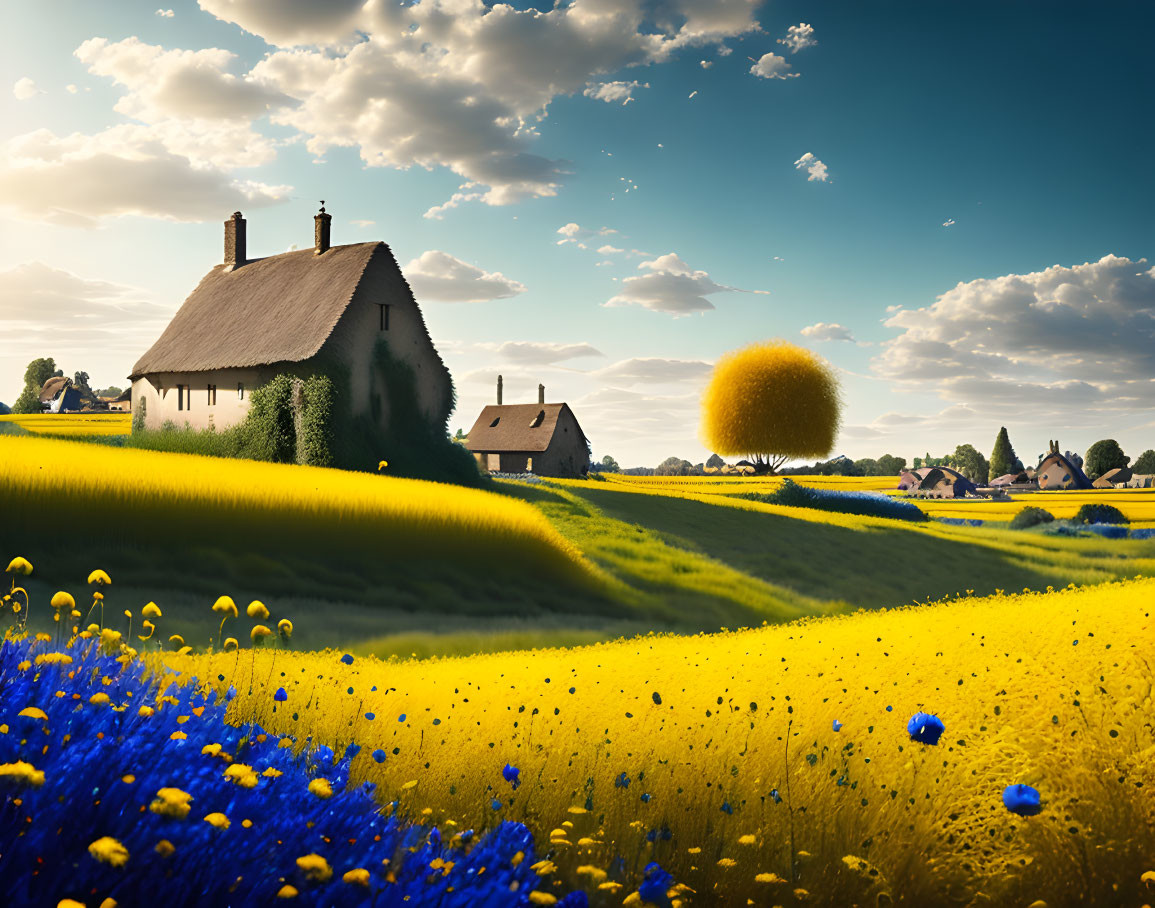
[(1059, 471), (536, 438), (324, 309), (59, 395)]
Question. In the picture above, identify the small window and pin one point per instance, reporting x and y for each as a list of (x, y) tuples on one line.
[(212, 395), (384, 308), (180, 397), (493, 424), (537, 420), (240, 390)]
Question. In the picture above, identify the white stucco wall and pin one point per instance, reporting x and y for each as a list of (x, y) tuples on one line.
[(160, 399)]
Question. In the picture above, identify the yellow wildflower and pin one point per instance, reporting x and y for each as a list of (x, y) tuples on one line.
[(33, 712), (321, 788), (285, 629), (257, 610), (171, 802), (21, 773), (150, 627), (727, 863), (219, 820), (230, 644), (152, 610), (225, 606), (176, 640), (19, 565), (99, 577), (358, 876), (164, 848), (315, 868), (596, 874), (768, 878), (109, 851), (747, 840), (63, 600), (544, 868), (54, 659), (98, 699), (287, 892), (542, 898)]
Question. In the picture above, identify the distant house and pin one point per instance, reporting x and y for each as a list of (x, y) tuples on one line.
[(304, 312), (1059, 471), (121, 403), (936, 482), (536, 438), (59, 396), (1120, 476)]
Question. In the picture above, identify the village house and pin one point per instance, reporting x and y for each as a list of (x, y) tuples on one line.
[(1061, 471), (59, 395), (536, 438), (301, 312)]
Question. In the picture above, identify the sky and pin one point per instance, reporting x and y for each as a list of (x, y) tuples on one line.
[(950, 202)]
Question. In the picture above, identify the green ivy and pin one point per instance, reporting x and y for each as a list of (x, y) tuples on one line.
[(315, 441)]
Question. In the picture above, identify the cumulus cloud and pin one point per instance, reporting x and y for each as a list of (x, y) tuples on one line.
[(949, 222), (814, 167), (25, 89), (670, 286), (613, 91), (799, 37), (461, 85), (828, 331), (535, 353), (362, 223), (607, 249), (654, 371), (771, 66), (436, 275), (165, 13), (75, 180), (1043, 342)]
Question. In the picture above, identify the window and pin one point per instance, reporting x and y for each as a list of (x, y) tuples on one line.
[(240, 390), (384, 308), (212, 395), (537, 420), (493, 425), (180, 397)]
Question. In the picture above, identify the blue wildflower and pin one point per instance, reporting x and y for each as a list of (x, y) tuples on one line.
[(1022, 799), (925, 728), (777, 797), (495, 804), (837, 725), (401, 718), (370, 716), (622, 781), (510, 774), (889, 708), (379, 755), (347, 659), (646, 798), (655, 886), (727, 809), (281, 695)]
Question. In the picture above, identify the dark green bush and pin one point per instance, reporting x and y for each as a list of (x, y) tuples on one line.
[(1099, 513), (1030, 517), (315, 442), (867, 504)]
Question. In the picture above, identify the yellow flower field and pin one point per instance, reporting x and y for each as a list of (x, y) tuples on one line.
[(72, 423), (775, 764), (206, 496)]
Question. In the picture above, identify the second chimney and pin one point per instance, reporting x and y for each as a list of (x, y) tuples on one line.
[(541, 394), (321, 223), (499, 390), (235, 252)]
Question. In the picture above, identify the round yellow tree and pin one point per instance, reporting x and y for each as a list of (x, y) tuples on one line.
[(771, 402)]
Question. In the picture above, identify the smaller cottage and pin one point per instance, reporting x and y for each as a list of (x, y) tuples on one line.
[(59, 396), (1060, 471), (536, 438), (936, 482)]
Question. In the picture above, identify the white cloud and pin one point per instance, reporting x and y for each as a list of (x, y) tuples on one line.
[(362, 223), (705, 64), (613, 91), (1043, 345), (533, 353), (165, 13), (814, 167), (436, 275), (771, 66), (799, 37), (126, 170), (828, 331), (572, 233), (607, 249), (670, 286), (949, 222), (461, 85), (25, 89), (71, 89), (652, 370)]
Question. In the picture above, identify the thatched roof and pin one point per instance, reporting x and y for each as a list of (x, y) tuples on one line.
[(515, 428), (276, 309), (53, 387)]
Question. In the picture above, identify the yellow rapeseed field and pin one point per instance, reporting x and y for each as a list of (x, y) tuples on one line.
[(775, 764), (205, 495), (72, 423)]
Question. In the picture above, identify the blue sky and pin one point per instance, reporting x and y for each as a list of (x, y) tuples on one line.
[(951, 202)]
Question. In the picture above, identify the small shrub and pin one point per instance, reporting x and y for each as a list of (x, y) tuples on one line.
[(1030, 517), (1099, 513), (866, 504)]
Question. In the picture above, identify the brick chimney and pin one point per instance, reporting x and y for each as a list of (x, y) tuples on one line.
[(499, 390), (321, 230), (235, 251), (541, 394)]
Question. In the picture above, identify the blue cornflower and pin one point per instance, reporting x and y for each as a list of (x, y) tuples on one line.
[(727, 809), (1022, 799), (837, 725), (646, 798), (401, 718), (777, 797), (925, 728), (654, 887), (347, 659), (281, 695), (622, 781), (495, 804), (370, 716), (379, 755), (510, 773)]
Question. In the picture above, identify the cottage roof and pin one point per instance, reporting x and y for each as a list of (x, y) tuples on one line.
[(53, 387), (515, 427), (276, 309), (1079, 479)]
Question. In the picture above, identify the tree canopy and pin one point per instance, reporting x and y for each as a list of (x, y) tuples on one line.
[(1145, 463), (1102, 456), (968, 461), (609, 465), (37, 373), (770, 402), (1003, 456)]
